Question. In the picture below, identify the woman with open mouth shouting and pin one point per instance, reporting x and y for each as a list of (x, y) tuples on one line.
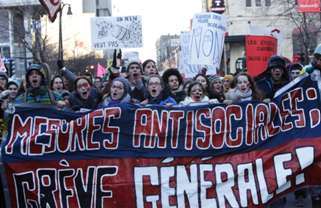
[(119, 93), (244, 89), (85, 97), (156, 94), (196, 94)]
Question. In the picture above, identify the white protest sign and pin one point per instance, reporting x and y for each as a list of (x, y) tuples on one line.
[(131, 56), (190, 70), (185, 68), (116, 32), (207, 39)]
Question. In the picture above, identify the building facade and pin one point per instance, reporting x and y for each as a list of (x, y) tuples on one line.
[(262, 17), (167, 48), (19, 23), (101, 8)]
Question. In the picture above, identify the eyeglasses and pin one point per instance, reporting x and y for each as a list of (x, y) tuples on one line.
[(154, 83), (85, 85)]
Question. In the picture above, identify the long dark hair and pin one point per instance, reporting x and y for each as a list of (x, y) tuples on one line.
[(207, 89), (53, 79)]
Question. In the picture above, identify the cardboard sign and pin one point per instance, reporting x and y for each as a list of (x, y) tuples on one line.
[(207, 39), (116, 32), (258, 51)]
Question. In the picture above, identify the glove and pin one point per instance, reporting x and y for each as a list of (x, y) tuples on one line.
[(119, 55), (60, 64), (114, 64), (4, 94)]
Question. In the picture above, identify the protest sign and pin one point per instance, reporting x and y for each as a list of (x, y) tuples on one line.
[(258, 51), (189, 70), (116, 32), (207, 39), (239, 155), (309, 6)]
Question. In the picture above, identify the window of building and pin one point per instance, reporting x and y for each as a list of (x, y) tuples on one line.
[(103, 12), (18, 28), (4, 22), (267, 3), (103, 8), (258, 3), (5, 51), (248, 3), (88, 6)]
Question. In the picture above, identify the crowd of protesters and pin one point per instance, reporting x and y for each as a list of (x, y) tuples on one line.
[(142, 84)]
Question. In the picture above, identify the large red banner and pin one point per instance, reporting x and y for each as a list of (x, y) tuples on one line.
[(235, 180), (240, 155), (308, 6), (258, 51)]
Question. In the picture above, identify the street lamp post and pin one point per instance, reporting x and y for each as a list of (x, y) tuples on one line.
[(60, 44)]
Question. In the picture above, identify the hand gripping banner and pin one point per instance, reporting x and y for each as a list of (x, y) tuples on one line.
[(239, 155)]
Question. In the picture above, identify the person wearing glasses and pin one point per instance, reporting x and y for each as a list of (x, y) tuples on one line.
[(85, 97), (156, 93)]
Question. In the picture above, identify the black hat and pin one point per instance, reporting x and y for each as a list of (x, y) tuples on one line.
[(125, 83), (276, 62), (4, 75), (295, 67), (38, 68)]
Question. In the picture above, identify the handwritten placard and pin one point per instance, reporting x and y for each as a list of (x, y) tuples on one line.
[(116, 32), (207, 39), (190, 70)]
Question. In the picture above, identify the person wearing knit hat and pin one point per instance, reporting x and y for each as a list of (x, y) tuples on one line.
[(227, 81), (13, 87), (35, 81), (216, 89), (119, 93), (36, 89), (273, 78)]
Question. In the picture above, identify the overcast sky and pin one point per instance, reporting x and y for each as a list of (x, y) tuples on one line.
[(159, 17)]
